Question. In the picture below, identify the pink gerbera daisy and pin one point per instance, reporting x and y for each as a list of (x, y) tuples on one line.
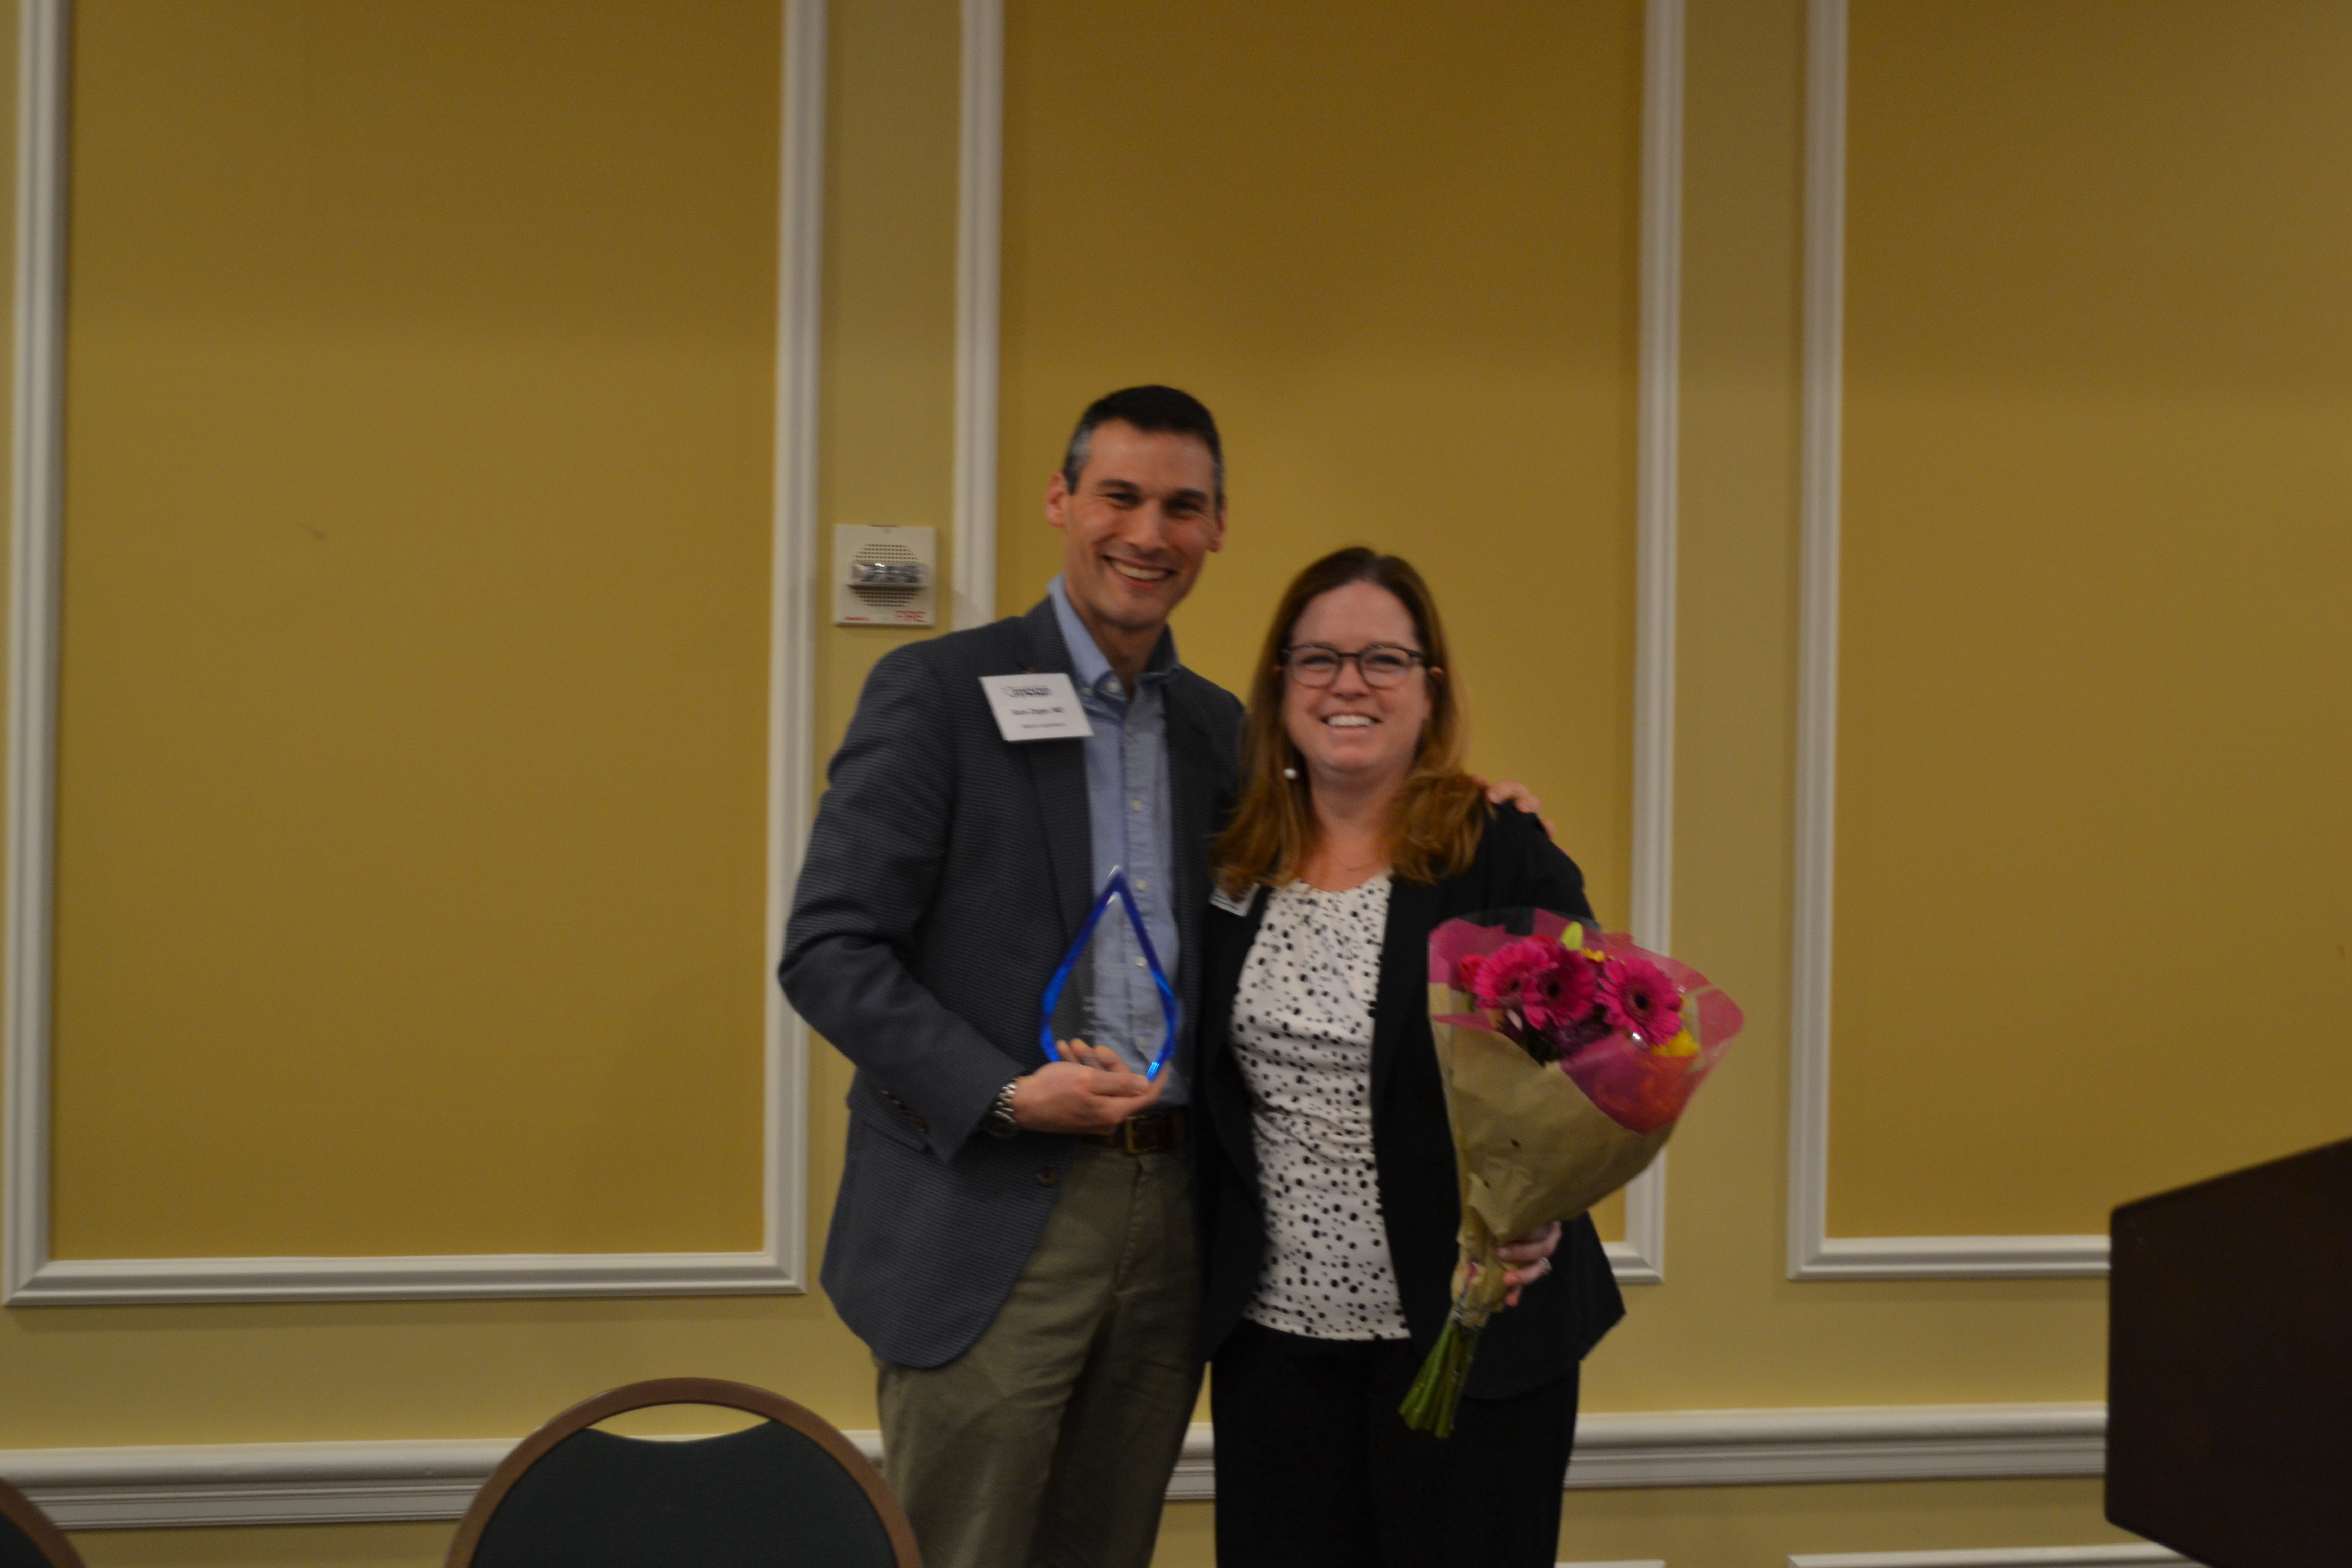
[(1503, 978), (1562, 995), (1467, 970), (1637, 997)]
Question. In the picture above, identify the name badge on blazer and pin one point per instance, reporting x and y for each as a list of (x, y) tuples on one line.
[(1232, 905), (1036, 707)]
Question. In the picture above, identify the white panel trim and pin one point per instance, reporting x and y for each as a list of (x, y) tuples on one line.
[(280, 1483), (29, 1276), (1655, 490), (1853, 1443), (2133, 1554), (146, 1281), (1816, 782), (1952, 1258), (980, 236), (792, 642), (1640, 1257), (1813, 1254), (42, 79), (253, 1483)]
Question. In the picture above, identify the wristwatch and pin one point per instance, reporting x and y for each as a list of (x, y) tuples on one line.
[(998, 1117)]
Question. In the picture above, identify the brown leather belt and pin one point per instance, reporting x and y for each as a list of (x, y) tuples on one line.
[(1159, 1130)]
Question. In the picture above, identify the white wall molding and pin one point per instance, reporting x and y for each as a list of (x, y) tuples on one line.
[(43, 31), (28, 1275), (980, 247), (253, 1483), (1816, 782), (1655, 488), (791, 637), (1640, 1258), (140, 1281), (1851, 1443), (282, 1483), (1814, 1253), (2135, 1554), (1946, 1257)]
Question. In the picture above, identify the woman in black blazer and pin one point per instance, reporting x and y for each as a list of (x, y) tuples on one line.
[(1325, 1174)]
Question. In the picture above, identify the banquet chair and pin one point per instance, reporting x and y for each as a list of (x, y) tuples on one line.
[(27, 1539), (788, 1491)]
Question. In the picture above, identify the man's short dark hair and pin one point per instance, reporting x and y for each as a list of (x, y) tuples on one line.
[(1154, 410)]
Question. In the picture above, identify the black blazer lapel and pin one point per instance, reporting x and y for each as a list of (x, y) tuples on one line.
[(1227, 939), (1403, 994), (1196, 777), (1057, 772)]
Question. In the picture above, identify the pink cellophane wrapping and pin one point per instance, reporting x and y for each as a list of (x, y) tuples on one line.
[(1639, 1087), (1536, 1141)]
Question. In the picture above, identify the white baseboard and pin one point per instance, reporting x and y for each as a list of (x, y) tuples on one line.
[(315, 1483), (253, 1483), (2139, 1554)]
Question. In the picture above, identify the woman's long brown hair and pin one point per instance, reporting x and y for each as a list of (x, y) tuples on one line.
[(1441, 812)]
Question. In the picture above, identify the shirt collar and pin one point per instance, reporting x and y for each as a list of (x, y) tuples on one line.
[(1087, 660)]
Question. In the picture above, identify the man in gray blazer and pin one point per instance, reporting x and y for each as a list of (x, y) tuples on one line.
[(1012, 1236)]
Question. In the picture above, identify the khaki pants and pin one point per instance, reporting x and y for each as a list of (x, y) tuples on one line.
[(1050, 1441)]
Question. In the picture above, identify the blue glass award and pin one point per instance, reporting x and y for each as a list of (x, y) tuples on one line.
[(1109, 989)]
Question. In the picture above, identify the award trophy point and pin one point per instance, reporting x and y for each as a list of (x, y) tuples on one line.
[(1104, 996)]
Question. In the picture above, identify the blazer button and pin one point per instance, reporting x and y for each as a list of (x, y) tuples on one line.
[(1047, 1177)]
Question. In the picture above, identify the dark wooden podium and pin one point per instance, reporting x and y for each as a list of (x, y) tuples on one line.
[(2230, 1366)]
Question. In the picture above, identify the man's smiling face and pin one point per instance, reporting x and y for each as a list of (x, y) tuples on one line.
[(1144, 516)]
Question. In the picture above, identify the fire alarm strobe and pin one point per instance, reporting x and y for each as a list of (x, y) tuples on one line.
[(884, 576)]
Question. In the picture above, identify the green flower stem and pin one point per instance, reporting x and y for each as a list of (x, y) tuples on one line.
[(1430, 1404)]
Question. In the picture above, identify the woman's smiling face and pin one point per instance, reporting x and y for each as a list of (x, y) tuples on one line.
[(1351, 731)]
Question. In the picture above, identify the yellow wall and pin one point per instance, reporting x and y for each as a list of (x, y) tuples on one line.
[(414, 719), (1356, 275), (2096, 732), (637, 475)]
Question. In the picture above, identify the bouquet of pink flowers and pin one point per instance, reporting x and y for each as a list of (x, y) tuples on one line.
[(1568, 1055)]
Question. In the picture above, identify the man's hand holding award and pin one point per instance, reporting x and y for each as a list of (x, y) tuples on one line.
[(1108, 990)]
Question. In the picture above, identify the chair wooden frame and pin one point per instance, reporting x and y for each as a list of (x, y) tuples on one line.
[(672, 1391), (47, 1538)]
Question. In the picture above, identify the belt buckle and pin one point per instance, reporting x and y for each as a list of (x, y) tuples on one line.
[(1151, 1131)]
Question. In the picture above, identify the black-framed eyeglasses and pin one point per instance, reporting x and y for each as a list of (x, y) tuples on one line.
[(1381, 663)]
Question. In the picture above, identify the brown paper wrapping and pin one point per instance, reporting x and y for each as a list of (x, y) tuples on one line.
[(1532, 1147)]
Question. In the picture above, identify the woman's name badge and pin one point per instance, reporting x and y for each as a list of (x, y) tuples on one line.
[(1232, 903), (1036, 707)]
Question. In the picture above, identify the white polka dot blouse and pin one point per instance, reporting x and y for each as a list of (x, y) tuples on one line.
[(1302, 1033)]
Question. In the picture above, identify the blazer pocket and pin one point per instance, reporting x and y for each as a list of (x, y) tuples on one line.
[(866, 1105)]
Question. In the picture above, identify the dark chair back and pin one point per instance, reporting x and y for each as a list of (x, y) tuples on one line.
[(788, 1490), (27, 1539)]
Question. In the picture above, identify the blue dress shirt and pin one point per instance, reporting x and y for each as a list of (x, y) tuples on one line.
[(1132, 808)]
